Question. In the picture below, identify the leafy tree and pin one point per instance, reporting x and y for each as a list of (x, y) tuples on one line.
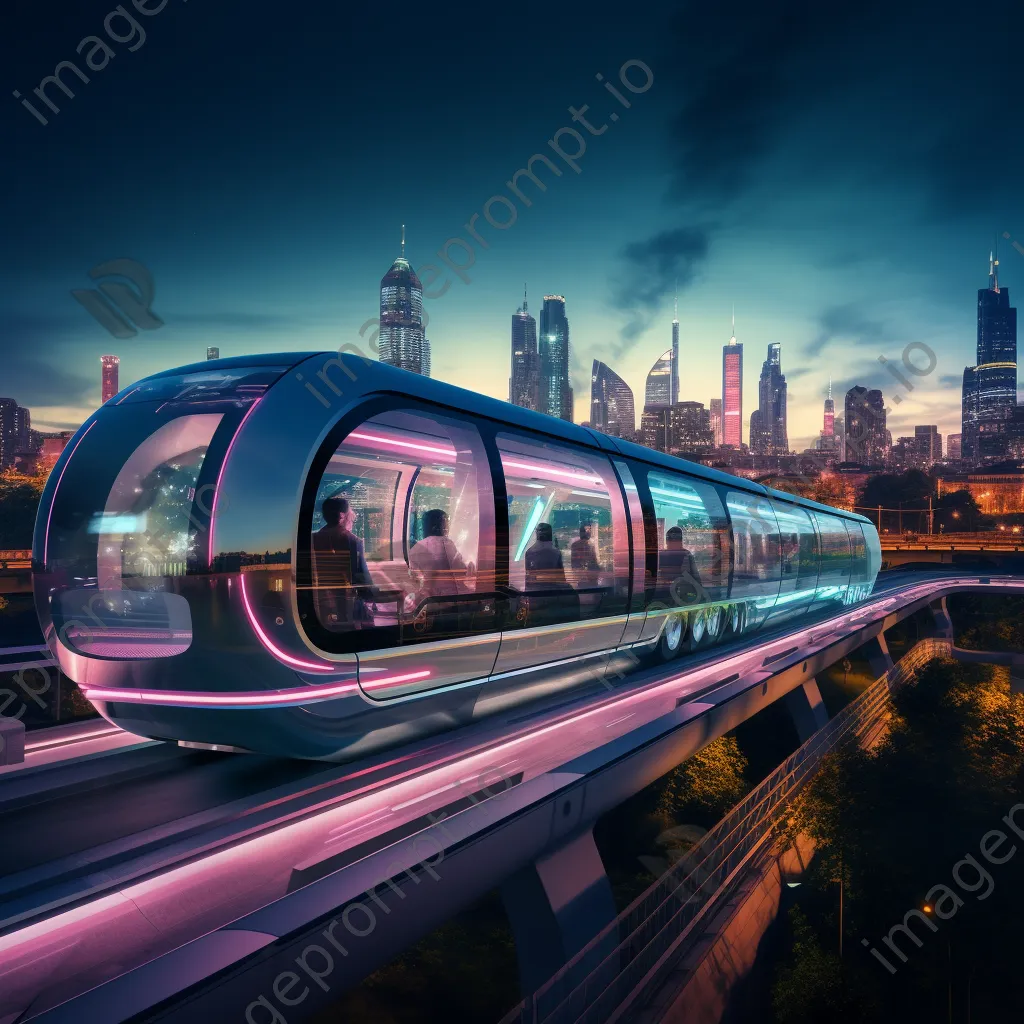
[(959, 512), (890, 490), (890, 824), (707, 784), (19, 499)]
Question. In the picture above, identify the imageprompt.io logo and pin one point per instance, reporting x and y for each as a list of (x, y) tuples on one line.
[(121, 308)]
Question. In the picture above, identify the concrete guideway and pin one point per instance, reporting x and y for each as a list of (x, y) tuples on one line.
[(481, 807)]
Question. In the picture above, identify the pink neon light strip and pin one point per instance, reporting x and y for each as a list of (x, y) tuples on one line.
[(220, 476), (268, 643), (56, 491), (548, 471), (299, 695), (446, 452)]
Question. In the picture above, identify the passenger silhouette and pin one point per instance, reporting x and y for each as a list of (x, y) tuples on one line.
[(545, 575), (583, 556), (678, 580), (341, 577), (436, 559)]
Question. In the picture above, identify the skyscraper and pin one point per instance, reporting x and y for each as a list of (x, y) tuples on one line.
[(829, 423), (401, 316), (716, 421), (732, 391), (929, 443), (524, 384), (425, 359), (555, 388), (953, 452), (969, 415), (766, 435), (213, 353), (611, 403), (866, 440), (658, 393), (675, 355), (109, 388), (990, 388), (15, 431)]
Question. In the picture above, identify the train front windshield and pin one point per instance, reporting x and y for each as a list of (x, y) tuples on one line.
[(131, 510)]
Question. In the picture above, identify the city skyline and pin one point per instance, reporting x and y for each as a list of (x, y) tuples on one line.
[(832, 228)]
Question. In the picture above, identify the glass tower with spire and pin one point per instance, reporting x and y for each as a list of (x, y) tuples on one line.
[(989, 394), (524, 383), (556, 398), (401, 316), (675, 353)]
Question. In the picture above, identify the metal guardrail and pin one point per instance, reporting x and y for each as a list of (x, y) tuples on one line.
[(652, 932)]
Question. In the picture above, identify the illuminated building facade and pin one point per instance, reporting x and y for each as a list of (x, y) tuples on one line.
[(658, 392), (556, 396), (732, 392), (524, 383), (401, 316), (716, 421), (611, 403), (109, 370)]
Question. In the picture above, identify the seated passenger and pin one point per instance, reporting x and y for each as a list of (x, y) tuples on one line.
[(436, 560), (544, 568), (545, 575), (678, 580), (341, 577), (585, 565)]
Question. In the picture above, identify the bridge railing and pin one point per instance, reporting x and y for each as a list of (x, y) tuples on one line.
[(625, 959)]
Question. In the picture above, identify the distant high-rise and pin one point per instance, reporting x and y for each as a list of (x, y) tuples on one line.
[(732, 391), (611, 403), (675, 355), (658, 393), (768, 433), (866, 435), (990, 387), (15, 431), (929, 443), (524, 384), (425, 359), (213, 353), (401, 316), (829, 424), (953, 452), (556, 396), (716, 421), (109, 366), (969, 415)]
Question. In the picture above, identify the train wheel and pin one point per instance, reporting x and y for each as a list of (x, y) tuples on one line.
[(698, 629), (672, 636), (715, 623), (737, 619)]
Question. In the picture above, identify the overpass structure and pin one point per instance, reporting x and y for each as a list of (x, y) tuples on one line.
[(141, 881)]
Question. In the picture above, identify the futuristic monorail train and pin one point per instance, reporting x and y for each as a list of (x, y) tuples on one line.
[(315, 555)]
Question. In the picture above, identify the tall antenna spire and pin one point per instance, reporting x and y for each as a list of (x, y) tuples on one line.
[(830, 386), (993, 267), (675, 318), (524, 297), (403, 240), (732, 340)]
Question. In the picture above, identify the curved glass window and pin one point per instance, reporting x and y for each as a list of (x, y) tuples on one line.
[(693, 539), (568, 535), (798, 555), (757, 564), (834, 578), (402, 544)]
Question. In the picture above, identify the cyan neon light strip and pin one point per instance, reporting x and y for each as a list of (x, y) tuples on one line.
[(531, 525)]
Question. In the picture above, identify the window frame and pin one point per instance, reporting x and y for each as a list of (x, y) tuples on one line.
[(368, 640)]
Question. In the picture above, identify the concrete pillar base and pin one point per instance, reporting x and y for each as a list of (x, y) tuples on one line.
[(556, 906), (879, 658), (807, 709)]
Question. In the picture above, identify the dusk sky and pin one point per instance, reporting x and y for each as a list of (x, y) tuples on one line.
[(838, 175)]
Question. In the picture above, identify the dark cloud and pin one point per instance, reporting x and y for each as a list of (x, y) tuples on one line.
[(234, 320), (847, 322), (32, 382), (651, 270)]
